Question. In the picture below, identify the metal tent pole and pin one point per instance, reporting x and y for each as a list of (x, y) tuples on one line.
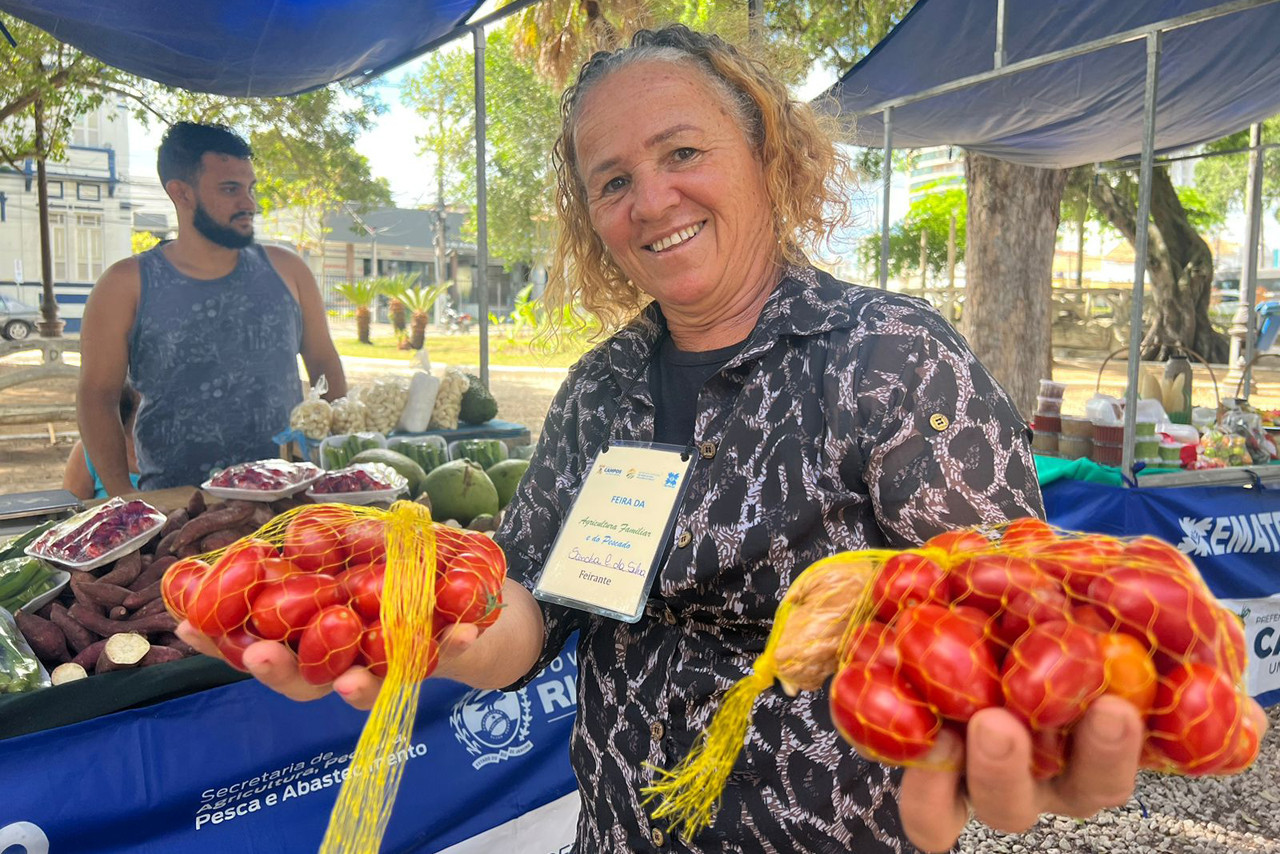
[(1140, 247), (1000, 55), (1249, 269), (482, 218), (884, 214)]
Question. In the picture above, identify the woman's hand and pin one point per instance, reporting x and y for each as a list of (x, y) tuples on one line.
[(994, 779), (274, 665)]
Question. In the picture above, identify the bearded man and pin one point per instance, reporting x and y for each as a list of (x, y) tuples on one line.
[(207, 328)]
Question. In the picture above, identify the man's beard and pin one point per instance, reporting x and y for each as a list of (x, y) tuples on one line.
[(220, 234)]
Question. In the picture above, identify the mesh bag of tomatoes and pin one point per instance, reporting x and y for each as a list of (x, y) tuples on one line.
[(1035, 620), (314, 579)]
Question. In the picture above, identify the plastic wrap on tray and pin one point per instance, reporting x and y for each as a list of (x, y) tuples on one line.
[(360, 483), (265, 476), (99, 535)]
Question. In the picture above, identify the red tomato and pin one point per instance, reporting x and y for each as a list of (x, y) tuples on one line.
[(1027, 533), (988, 582), (876, 710), (364, 540), (492, 617), (329, 644), (1030, 608), (1174, 610), (233, 644), (449, 541), (959, 542), (872, 643), (373, 650), (1233, 655), (907, 579), (1152, 553), (277, 567), (1193, 719), (180, 583), (282, 608), (313, 541), (1093, 618), (222, 602), (1246, 739), (363, 587), (1051, 674), (946, 657), (1128, 670), (1048, 753), (1076, 562), (464, 595), (485, 546)]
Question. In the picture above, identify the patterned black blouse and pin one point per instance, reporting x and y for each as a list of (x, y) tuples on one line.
[(819, 436)]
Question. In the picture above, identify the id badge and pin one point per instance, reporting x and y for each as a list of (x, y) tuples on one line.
[(606, 555)]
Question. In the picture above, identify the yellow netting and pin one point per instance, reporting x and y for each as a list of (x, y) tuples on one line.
[(1024, 616), (340, 585)]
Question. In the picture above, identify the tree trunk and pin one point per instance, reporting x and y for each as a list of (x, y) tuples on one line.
[(419, 335), (362, 324), (1013, 222), (1179, 270), (396, 308)]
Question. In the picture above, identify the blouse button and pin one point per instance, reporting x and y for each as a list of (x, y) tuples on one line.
[(684, 539), (657, 730), (659, 838), (707, 450)]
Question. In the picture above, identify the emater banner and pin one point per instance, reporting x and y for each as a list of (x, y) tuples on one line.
[(1231, 533), (241, 769)]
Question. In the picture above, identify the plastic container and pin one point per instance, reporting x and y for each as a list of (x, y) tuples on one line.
[(1073, 447), (1143, 427), (1171, 451), (1104, 409), (483, 452), (1051, 389), (1107, 454), (117, 527), (336, 451), (283, 479), (60, 577), (1081, 428), (392, 484), (1044, 443), (1149, 462), (427, 451), (1146, 449), (1048, 406), (1203, 417), (1110, 434), (1048, 423)]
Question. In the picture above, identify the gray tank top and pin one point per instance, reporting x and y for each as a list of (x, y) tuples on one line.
[(216, 364)]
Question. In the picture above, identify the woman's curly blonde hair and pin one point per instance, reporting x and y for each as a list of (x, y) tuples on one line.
[(806, 175)]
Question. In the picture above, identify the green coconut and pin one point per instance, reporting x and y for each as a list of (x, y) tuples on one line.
[(506, 477), (460, 490)]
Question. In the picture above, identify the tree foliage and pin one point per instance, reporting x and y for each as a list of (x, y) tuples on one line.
[(929, 215), (1221, 180)]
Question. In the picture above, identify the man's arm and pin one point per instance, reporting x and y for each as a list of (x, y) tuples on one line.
[(318, 352), (104, 363)]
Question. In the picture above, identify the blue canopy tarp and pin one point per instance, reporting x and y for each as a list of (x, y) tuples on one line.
[(247, 47), (1216, 77)]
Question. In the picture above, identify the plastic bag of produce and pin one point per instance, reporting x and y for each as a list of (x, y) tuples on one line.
[(1038, 621), (423, 389), (449, 400), (20, 670), (384, 401), (345, 586), (314, 414), (349, 416)]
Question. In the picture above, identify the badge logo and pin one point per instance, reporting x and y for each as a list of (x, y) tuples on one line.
[(939, 422), (493, 726), (1195, 536), (25, 835)]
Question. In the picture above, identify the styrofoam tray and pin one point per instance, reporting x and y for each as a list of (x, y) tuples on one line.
[(48, 596), (358, 498), (131, 545), (258, 494)]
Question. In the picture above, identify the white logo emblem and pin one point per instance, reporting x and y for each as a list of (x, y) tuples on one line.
[(493, 726), (1195, 536), (25, 834)]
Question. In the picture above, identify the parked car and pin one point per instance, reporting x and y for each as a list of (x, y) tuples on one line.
[(17, 320)]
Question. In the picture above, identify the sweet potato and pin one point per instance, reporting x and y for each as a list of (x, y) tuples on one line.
[(189, 550), (68, 672), (88, 656), (138, 598), (78, 637), (98, 593), (171, 640), (126, 570), (218, 540), (106, 627), (165, 547), (119, 612), (153, 572), (175, 521), (161, 655), (121, 650), (195, 504), (46, 639), (155, 606), (227, 516)]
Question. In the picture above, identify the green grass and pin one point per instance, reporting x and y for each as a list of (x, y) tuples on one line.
[(465, 350)]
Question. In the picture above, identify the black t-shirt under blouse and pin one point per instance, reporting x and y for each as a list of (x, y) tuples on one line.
[(675, 379)]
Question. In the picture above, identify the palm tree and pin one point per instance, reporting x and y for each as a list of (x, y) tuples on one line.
[(392, 287), (419, 301), (361, 294)]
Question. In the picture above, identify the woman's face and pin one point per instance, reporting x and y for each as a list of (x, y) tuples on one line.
[(674, 189)]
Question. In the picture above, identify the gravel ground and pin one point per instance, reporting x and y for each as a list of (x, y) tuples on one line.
[(1167, 815)]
